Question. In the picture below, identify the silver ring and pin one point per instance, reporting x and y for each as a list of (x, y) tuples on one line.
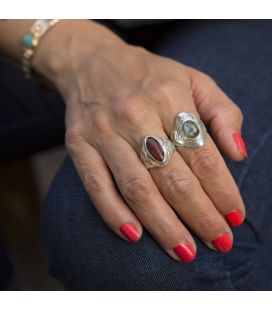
[(156, 152), (188, 130)]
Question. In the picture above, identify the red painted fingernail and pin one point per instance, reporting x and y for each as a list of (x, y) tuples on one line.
[(234, 218), (240, 143), (130, 232), (222, 243), (185, 252)]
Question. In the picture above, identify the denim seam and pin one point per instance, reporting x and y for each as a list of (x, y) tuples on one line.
[(242, 179)]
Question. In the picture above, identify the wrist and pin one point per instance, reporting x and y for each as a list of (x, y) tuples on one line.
[(58, 50)]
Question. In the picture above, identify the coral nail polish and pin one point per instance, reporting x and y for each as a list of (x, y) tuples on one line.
[(223, 243), (240, 143), (130, 232), (185, 252), (234, 218)]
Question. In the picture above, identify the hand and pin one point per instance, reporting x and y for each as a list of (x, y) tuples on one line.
[(117, 94)]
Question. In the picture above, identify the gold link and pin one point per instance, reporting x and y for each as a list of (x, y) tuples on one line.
[(28, 53), (35, 42)]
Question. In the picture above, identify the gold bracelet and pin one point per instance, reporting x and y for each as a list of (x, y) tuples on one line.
[(31, 41)]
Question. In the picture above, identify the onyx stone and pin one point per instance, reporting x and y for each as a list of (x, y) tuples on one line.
[(155, 149)]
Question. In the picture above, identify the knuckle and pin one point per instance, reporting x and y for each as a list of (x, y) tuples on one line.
[(165, 87), (210, 84), (136, 189), (72, 138), (207, 222), (237, 113), (130, 109), (205, 163), (165, 92), (93, 182), (100, 124), (177, 184), (209, 81)]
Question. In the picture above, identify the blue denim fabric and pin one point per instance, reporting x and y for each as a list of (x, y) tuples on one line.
[(86, 255)]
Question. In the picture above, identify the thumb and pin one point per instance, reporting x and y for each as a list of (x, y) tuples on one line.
[(223, 117)]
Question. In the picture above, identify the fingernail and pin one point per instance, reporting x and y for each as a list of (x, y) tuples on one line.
[(130, 232), (240, 144), (185, 252), (234, 218), (222, 243)]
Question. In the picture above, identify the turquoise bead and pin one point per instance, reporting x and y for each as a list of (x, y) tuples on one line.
[(27, 40)]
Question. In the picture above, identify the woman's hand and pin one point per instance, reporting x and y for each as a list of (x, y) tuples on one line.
[(117, 94)]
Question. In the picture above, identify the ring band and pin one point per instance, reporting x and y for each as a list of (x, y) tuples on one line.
[(156, 152), (188, 130)]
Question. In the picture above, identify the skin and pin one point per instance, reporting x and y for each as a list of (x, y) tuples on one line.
[(116, 94)]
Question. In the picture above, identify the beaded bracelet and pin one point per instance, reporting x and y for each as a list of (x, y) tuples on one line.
[(31, 41)]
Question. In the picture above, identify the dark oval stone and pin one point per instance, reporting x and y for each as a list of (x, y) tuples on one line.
[(154, 148)]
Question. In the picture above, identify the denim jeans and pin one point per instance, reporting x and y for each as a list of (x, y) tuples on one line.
[(86, 255)]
